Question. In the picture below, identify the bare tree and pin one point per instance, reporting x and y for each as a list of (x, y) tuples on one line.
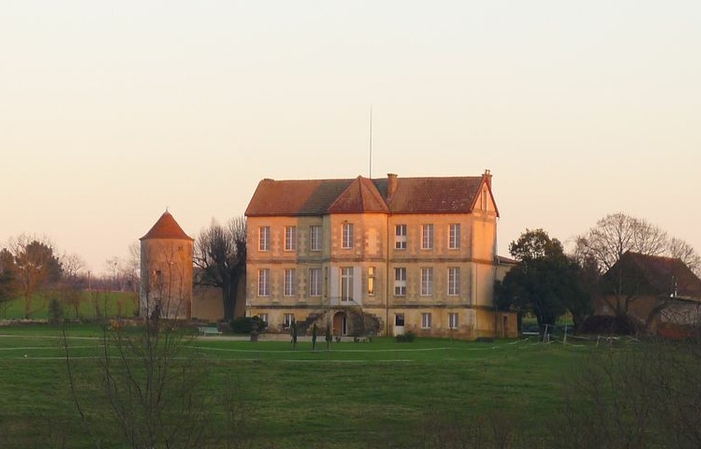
[(220, 260), (616, 234), (635, 397), (679, 249), (72, 282), (154, 387)]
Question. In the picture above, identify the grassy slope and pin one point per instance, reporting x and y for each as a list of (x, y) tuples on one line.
[(352, 396)]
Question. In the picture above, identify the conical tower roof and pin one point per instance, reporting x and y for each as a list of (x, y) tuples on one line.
[(166, 228)]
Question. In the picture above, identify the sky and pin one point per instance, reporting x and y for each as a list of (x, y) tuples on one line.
[(111, 112)]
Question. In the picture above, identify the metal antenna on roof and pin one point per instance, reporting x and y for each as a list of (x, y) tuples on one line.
[(370, 170)]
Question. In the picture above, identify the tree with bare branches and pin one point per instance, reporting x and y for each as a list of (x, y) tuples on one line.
[(679, 249), (610, 239), (72, 283), (220, 260), (616, 234)]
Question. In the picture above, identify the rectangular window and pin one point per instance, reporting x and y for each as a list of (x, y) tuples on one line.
[(400, 236), (453, 281), (399, 319), (426, 281), (264, 282), (290, 238), (454, 236), (427, 236), (264, 238), (371, 281), (290, 282), (315, 238), (347, 235), (315, 282), (287, 320), (453, 320), (159, 280), (263, 317), (425, 321), (347, 284), (400, 281)]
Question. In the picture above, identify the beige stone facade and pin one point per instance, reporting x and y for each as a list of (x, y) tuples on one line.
[(376, 256)]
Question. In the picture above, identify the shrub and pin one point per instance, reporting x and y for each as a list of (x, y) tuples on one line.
[(245, 324), (406, 338), (611, 325), (55, 311)]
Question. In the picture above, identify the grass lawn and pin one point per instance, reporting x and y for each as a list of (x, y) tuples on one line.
[(354, 395), (92, 304)]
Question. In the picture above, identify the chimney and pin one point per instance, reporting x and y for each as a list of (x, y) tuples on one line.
[(488, 178), (391, 184)]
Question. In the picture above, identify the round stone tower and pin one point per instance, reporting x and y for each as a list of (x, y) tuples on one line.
[(166, 270)]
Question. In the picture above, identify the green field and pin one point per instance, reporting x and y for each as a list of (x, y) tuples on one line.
[(92, 304), (355, 395)]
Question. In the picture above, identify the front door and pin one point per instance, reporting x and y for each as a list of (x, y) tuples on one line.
[(340, 325)]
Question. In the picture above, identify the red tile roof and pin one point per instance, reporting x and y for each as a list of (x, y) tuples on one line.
[(361, 196), (166, 228), (437, 195), (290, 198), (663, 275)]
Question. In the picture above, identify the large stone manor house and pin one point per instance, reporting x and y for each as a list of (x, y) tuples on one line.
[(383, 256)]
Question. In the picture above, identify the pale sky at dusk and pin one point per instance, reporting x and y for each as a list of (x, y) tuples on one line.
[(112, 111)]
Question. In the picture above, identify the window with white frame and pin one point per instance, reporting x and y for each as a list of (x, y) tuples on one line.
[(264, 282), (454, 281), (371, 281), (347, 240), (427, 236), (454, 236), (400, 281), (290, 238), (315, 238), (453, 321), (264, 238), (315, 281), (400, 236), (290, 282), (426, 281), (346, 283), (288, 319), (263, 317), (425, 321)]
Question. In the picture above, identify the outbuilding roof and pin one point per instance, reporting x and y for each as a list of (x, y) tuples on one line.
[(660, 275)]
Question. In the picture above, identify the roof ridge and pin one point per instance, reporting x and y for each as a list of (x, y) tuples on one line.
[(166, 228)]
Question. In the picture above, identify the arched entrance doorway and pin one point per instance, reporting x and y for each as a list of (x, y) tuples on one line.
[(340, 324)]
